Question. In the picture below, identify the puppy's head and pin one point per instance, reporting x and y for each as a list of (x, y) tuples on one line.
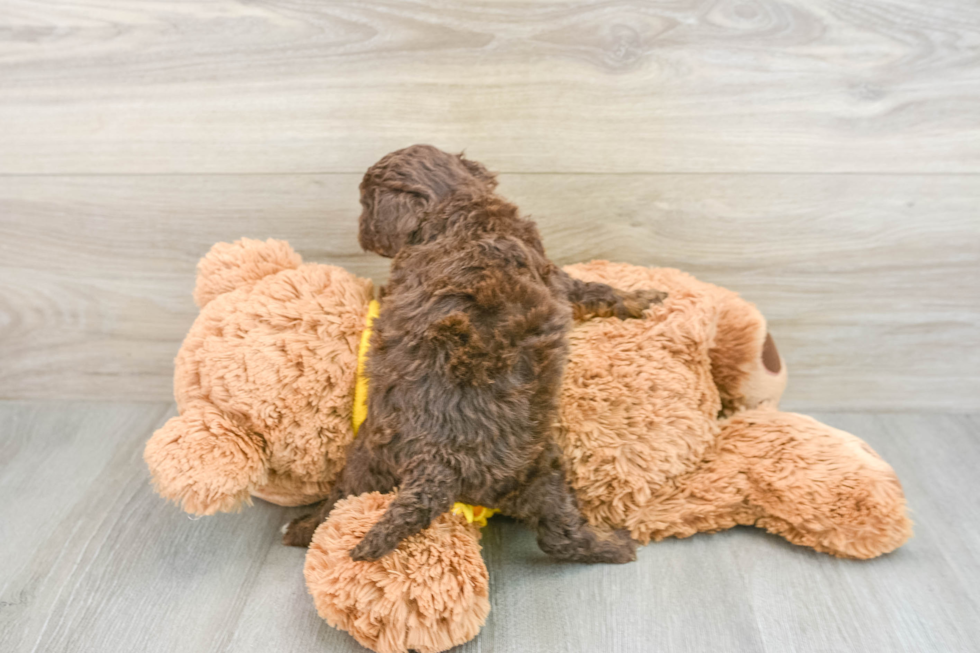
[(398, 190)]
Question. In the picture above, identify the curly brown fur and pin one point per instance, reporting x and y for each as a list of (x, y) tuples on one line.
[(466, 360)]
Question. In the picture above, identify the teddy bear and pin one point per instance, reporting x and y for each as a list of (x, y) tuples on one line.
[(669, 425)]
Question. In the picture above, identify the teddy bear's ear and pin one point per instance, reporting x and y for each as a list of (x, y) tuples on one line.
[(232, 265), (745, 362)]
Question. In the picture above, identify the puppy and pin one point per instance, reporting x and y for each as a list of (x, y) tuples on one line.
[(466, 361)]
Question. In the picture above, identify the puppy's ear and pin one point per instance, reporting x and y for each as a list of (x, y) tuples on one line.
[(403, 185), (388, 220), (478, 170)]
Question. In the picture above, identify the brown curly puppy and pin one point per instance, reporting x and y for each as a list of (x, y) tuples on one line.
[(466, 361)]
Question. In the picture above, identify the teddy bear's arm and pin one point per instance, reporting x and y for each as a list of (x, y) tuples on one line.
[(205, 462)]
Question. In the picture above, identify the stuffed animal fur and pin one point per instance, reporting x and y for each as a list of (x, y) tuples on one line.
[(670, 426)]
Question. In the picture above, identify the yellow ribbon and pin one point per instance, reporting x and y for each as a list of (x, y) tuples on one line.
[(472, 514), (359, 413)]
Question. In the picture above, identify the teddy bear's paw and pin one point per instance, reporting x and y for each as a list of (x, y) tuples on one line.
[(205, 461), (299, 532), (632, 304), (429, 594)]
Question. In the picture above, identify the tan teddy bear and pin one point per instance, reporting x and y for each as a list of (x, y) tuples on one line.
[(669, 424)]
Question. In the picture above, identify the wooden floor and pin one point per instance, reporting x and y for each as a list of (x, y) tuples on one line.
[(93, 561)]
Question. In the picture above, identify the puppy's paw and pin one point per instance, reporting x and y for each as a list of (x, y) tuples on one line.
[(299, 532), (618, 548), (373, 546), (632, 304)]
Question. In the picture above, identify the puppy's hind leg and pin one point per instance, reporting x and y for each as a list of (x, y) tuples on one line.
[(428, 492), (355, 478), (548, 505)]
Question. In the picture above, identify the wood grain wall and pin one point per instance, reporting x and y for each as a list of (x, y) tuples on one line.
[(821, 157)]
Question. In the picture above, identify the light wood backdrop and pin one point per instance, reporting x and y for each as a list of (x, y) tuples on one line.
[(821, 157)]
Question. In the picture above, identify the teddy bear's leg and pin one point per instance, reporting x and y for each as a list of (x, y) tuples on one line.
[(815, 485), (710, 498), (431, 593), (204, 461)]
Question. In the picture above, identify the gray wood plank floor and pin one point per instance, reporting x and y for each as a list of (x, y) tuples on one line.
[(92, 560)]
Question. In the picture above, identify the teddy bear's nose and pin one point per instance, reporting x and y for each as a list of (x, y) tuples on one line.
[(770, 355)]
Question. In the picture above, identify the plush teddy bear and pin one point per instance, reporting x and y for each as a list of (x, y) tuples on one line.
[(669, 425)]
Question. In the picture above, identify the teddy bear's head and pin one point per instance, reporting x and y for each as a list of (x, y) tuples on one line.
[(264, 380)]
